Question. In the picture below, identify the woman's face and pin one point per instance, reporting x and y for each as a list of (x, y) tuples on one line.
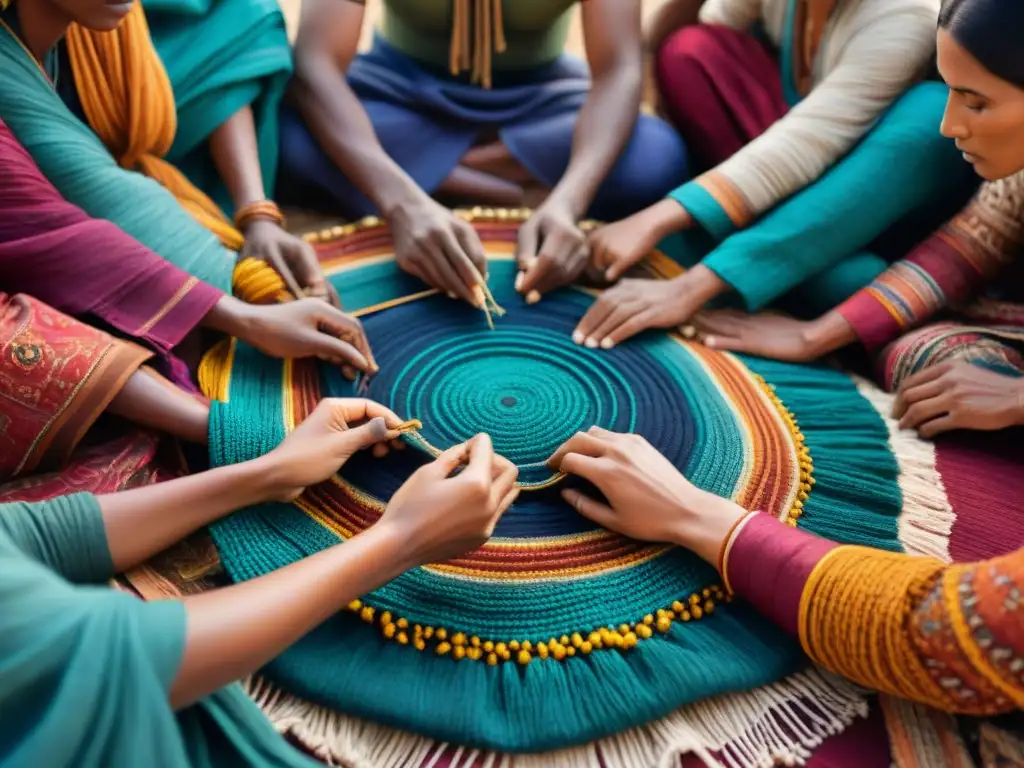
[(984, 113), (97, 15)]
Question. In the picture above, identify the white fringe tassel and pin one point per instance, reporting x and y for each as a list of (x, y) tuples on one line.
[(926, 522), (778, 724)]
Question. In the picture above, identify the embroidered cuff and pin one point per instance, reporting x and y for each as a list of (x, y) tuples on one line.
[(715, 204), (872, 318), (768, 564)]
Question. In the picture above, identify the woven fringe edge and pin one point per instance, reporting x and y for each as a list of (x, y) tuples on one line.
[(777, 724), (926, 521)]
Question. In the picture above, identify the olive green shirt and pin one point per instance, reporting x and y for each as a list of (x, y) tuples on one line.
[(535, 30)]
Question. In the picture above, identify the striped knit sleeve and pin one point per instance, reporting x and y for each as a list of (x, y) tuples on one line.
[(879, 62), (947, 268), (950, 637), (738, 14)]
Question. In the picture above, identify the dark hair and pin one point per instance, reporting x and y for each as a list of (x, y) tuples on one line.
[(992, 31)]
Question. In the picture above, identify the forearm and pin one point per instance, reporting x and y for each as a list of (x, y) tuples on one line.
[(151, 401), (141, 522), (234, 631), (340, 125), (236, 156), (604, 125)]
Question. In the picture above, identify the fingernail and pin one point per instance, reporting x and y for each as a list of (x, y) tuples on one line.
[(609, 276), (519, 280), (451, 295), (710, 341), (478, 297), (528, 264), (607, 343), (577, 337), (590, 343), (532, 297)]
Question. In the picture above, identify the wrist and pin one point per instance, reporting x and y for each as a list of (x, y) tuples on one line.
[(398, 544), (256, 481), (704, 523), (405, 197), (231, 316), (826, 334), (701, 284), (571, 198), (667, 217), (258, 211)]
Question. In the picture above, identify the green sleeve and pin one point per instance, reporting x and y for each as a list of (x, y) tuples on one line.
[(65, 534), (85, 671), (904, 165)]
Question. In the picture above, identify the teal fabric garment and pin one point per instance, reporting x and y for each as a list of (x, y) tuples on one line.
[(75, 161), (904, 165), (85, 670), (222, 55)]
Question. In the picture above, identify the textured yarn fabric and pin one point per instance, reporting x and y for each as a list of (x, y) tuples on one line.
[(555, 632), (221, 56), (75, 161)]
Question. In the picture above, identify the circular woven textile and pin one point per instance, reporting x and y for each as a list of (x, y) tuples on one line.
[(555, 632)]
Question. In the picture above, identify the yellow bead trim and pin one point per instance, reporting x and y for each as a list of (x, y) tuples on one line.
[(477, 215), (459, 645), (803, 453)]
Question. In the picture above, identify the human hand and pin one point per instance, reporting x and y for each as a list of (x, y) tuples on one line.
[(635, 305), (647, 497), (443, 516), (958, 395), (291, 257), (320, 445), (551, 251), (440, 249), (297, 329), (774, 336), (615, 248)]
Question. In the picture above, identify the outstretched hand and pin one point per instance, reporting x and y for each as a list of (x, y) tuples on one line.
[(329, 437), (443, 515), (646, 497)]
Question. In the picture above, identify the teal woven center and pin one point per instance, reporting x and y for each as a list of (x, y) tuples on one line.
[(530, 390)]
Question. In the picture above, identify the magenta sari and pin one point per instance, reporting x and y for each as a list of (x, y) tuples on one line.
[(90, 269)]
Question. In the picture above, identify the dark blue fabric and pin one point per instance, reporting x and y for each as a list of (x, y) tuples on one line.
[(991, 31), (426, 120)]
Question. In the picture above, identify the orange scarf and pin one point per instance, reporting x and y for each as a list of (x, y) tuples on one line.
[(128, 101)]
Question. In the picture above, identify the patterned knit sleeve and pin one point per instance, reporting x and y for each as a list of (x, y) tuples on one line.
[(950, 637), (738, 14), (947, 268), (878, 64)]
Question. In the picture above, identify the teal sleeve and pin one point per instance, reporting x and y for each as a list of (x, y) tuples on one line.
[(65, 534), (704, 209), (85, 671), (903, 165)]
